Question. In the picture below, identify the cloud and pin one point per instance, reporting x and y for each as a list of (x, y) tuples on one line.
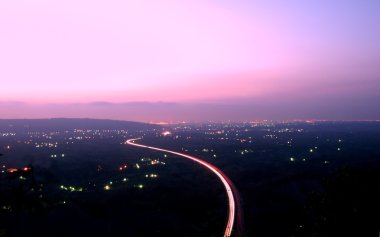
[(334, 106)]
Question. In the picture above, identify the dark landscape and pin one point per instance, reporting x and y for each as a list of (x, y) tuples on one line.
[(75, 177)]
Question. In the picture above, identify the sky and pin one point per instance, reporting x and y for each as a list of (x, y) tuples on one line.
[(190, 60)]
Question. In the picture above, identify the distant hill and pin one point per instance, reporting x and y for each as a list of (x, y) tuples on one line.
[(61, 124)]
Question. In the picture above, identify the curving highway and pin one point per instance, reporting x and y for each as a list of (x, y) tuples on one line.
[(225, 180)]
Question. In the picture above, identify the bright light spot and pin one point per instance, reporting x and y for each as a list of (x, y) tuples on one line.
[(12, 170), (292, 159), (166, 133), (107, 187), (151, 176)]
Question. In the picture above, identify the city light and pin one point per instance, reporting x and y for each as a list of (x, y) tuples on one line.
[(166, 133)]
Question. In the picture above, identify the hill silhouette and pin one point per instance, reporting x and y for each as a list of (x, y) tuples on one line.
[(61, 124)]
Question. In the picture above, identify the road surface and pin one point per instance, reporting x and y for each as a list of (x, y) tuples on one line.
[(230, 189)]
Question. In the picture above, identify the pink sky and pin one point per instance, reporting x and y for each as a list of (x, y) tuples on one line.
[(65, 52)]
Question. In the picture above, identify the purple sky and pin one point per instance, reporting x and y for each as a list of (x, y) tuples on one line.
[(190, 60)]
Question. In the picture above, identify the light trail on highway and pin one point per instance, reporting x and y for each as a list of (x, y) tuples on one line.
[(225, 180)]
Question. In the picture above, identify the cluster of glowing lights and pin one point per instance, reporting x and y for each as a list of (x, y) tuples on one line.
[(124, 167), (46, 144), (71, 188), (151, 176), (245, 151), (14, 170), (294, 159), (108, 186), (157, 162), (22, 178), (7, 134)]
